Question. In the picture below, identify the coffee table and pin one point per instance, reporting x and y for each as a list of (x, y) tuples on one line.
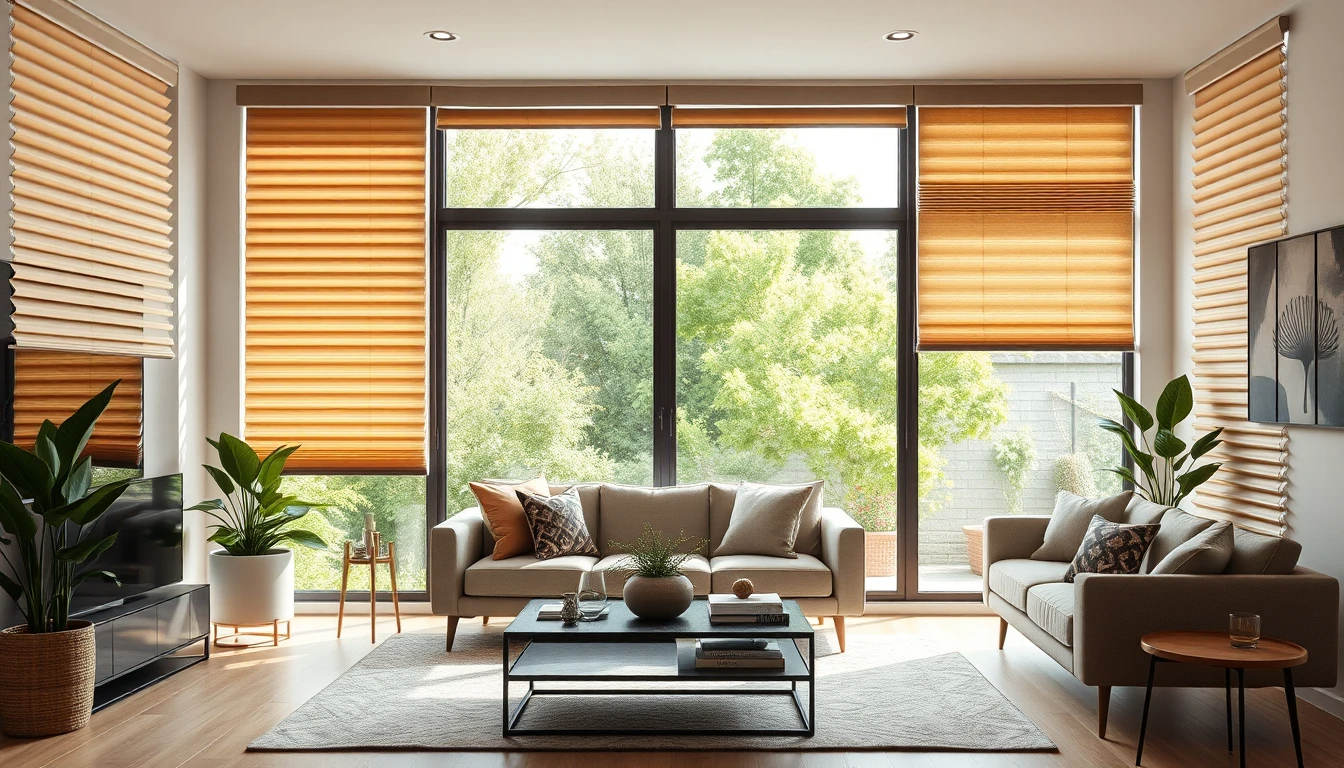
[(623, 648)]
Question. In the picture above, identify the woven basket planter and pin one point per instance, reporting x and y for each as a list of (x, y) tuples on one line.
[(975, 547), (46, 680), (879, 553)]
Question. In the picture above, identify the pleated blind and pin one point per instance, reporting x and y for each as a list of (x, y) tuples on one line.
[(1026, 228), (91, 215), (1240, 189), (53, 385), (335, 287)]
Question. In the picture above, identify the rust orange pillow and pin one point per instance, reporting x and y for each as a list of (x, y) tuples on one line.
[(504, 517)]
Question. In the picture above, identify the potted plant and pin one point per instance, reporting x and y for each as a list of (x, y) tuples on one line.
[(46, 507), (252, 577), (877, 515), (1161, 459), (656, 588)]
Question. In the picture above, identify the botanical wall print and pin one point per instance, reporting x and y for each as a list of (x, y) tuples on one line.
[(1295, 328), (1264, 393), (1329, 358)]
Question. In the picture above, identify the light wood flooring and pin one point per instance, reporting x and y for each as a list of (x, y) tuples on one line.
[(206, 716)]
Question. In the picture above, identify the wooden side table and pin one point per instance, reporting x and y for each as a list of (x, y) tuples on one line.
[(371, 559), (1214, 649)]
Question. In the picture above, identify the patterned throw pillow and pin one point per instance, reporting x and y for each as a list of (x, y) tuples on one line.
[(557, 524), (1111, 548)]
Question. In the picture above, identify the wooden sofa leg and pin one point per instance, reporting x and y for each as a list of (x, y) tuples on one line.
[(485, 620), (1003, 631), (839, 622), (1103, 709), (452, 631)]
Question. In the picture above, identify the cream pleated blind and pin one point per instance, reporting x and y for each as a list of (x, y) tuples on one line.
[(1026, 228), (53, 385), (1240, 189), (91, 202), (335, 287)]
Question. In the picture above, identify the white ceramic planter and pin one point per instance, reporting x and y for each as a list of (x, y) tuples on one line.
[(251, 590)]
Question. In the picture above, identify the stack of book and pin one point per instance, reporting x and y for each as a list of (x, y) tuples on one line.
[(763, 608), (738, 654)]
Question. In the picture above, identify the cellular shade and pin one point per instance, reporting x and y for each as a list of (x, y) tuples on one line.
[(1240, 195), (1026, 228), (53, 385), (92, 238), (335, 287), (455, 118), (788, 117)]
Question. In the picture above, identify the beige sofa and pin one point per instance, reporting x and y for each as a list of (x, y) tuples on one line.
[(827, 578), (1092, 627)]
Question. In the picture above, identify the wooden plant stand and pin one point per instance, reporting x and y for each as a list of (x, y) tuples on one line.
[(372, 560), (273, 634)]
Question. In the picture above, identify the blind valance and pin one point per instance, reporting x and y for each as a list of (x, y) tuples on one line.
[(466, 118), (788, 117)]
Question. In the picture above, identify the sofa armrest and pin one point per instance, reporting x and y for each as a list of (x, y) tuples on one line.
[(1012, 537), (1112, 612), (842, 551), (454, 545)]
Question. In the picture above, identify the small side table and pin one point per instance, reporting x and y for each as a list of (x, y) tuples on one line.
[(371, 559), (1214, 649)]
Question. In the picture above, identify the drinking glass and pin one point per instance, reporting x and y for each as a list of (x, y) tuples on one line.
[(1244, 629), (592, 594)]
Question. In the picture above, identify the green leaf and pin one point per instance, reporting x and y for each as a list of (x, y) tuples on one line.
[(14, 516), (31, 476), (1117, 428), (1206, 443), (1196, 477), (1124, 473), (81, 477), (1144, 461), (85, 549), (221, 479), (1136, 412), (11, 587), (305, 538), (74, 433), (244, 460), (273, 466), (45, 447), (206, 506), (107, 576), (226, 536), (86, 510), (1175, 403), (1180, 462), (1166, 444)]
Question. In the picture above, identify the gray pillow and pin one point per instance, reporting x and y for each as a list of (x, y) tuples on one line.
[(1178, 527), (1068, 523), (1144, 512), (764, 520), (1207, 552), (1258, 553)]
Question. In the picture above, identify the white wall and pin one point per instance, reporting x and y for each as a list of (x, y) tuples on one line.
[(1315, 201), (224, 267)]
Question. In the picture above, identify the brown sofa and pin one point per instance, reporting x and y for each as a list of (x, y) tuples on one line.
[(1092, 627)]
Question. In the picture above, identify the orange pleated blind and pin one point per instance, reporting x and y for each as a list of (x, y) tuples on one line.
[(335, 287), (1240, 193), (1026, 228), (788, 117), (91, 214), (459, 118), (53, 385)]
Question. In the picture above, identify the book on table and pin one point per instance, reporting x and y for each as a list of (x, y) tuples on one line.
[(751, 605), (738, 654)]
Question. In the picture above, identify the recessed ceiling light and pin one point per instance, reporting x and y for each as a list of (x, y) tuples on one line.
[(899, 35), (440, 34)]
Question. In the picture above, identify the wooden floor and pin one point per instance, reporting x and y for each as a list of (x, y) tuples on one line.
[(206, 716)]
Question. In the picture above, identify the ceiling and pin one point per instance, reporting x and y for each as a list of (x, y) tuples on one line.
[(686, 39)]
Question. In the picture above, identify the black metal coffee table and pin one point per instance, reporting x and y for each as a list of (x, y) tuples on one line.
[(624, 649)]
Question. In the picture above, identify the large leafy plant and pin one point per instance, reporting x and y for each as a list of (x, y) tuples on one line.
[(46, 508), (254, 516), (1166, 463)]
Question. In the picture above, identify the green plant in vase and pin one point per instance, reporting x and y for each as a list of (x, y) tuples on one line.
[(1166, 464), (656, 588)]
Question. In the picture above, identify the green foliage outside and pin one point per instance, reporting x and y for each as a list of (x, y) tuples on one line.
[(1015, 457)]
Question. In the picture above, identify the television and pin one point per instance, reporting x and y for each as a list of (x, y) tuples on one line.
[(148, 551)]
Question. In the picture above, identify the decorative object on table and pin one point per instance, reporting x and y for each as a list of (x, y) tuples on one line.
[(1166, 464), (743, 588), (384, 554), (1295, 305), (252, 577), (656, 588), (569, 609), (592, 594), (370, 529), (758, 608), (738, 654), (557, 524), (1243, 629), (47, 663), (552, 612), (1211, 649), (1111, 548)]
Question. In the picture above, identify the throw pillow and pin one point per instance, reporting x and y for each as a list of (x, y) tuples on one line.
[(557, 524), (1178, 527), (1260, 553), (1144, 512), (503, 513), (1069, 522), (1207, 552), (764, 520), (1111, 548)]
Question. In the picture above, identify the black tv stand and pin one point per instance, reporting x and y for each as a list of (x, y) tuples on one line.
[(148, 638)]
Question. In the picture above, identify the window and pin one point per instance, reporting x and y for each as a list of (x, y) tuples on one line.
[(397, 503)]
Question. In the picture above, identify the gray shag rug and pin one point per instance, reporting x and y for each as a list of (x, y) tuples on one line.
[(885, 693)]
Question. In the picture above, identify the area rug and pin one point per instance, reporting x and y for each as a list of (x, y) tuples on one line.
[(885, 693)]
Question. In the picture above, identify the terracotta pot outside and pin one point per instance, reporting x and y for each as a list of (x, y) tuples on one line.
[(46, 680), (879, 550), (658, 598)]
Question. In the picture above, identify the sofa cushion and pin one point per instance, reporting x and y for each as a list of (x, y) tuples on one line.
[(1207, 552), (1050, 607), (1141, 511), (722, 496), (1112, 548), (764, 520), (1178, 527), (803, 576), (1257, 553), (682, 510), (557, 524), (588, 496), (526, 576), (1010, 579), (1070, 520), (502, 511), (696, 569)]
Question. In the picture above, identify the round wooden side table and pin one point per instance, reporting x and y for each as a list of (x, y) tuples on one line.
[(373, 560), (1214, 649)]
